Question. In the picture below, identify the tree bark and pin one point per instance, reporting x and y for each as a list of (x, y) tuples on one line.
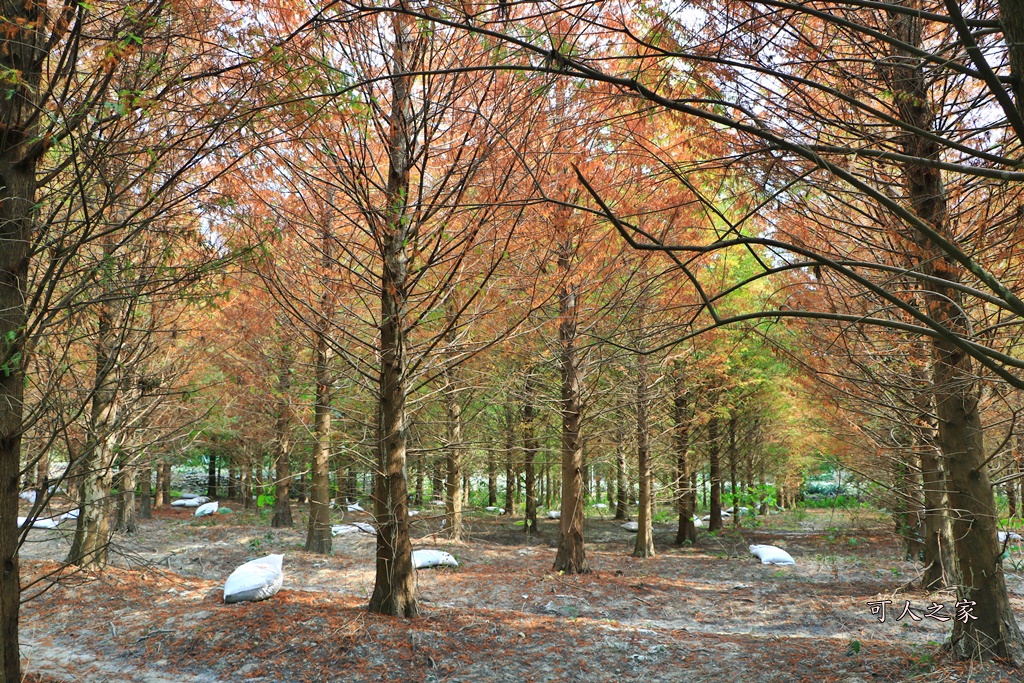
[(530, 448), (994, 633), (454, 490), (571, 556), (621, 490), (715, 524), (510, 462), (146, 493), (685, 492), (394, 589), (126, 518), (282, 444), (645, 535)]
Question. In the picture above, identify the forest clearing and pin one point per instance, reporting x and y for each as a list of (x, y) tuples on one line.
[(704, 613), (668, 340)]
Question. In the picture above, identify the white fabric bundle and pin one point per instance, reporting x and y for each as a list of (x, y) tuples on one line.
[(423, 559), (48, 523), (190, 502), (1012, 536), (699, 523), (30, 496), (413, 513), (207, 509), (71, 514), (500, 511), (189, 496), (769, 554), (353, 528), (601, 506), (630, 526), (354, 507), (256, 580), (554, 514)]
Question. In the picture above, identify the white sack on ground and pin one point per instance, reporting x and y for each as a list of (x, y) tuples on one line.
[(601, 506), (423, 559), (207, 509), (186, 503), (30, 496), (554, 514), (1012, 536), (698, 523), (500, 511), (353, 528), (631, 526), (48, 523), (769, 554), (71, 514), (189, 496), (354, 507), (256, 580), (413, 513)]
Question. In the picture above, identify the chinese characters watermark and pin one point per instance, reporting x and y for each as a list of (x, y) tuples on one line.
[(963, 611)]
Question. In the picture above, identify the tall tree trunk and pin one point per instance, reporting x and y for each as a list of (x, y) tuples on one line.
[(146, 493), (282, 444), (621, 489), (685, 492), (22, 53), (571, 556), (163, 485), (454, 490), (733, 458), (126, 518), (318, 533), (510, 461), (211, 473), (715, 524), (394, 589), (492, 479), (92, 534), (530, 448), (645, 535), (994, 633)]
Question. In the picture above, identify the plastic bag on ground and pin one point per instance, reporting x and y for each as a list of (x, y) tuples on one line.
[(30, 496), (48, 523), (769, 554), (631, 526), (500, 511), (256, 580), (354, 507), (1012, 536), (554, 514), (207, 509), (353, 528), (423, 559)]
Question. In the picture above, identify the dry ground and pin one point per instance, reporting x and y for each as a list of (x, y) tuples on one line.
[(708, 613)]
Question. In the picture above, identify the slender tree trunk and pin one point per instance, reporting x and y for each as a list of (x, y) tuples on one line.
[(454, 490), (283, 448), (211, 473), (394, 589), (621, 490), (92, 534), (492, 479), (685, 492), (530, 448), (733, 458), (715, 524), (571, 556), (146, 493), (994, 633), (510, 462), (318, 533), (126, 518), (645, 535)]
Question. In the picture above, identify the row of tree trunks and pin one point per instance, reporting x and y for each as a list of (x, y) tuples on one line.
[(531, 446), (994, 633)]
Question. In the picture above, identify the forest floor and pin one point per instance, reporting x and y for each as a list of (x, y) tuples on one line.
[(703, 613)]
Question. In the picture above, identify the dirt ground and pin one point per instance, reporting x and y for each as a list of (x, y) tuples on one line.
[(706, 613)]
